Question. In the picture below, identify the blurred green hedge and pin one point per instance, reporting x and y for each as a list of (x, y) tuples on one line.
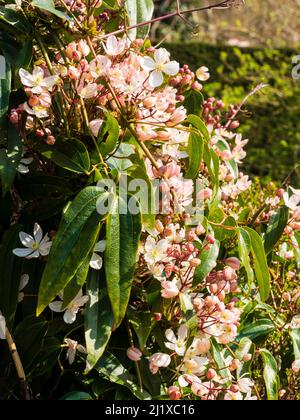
[(272, 120)]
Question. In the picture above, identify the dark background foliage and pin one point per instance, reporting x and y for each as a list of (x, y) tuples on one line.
[(271, 118)]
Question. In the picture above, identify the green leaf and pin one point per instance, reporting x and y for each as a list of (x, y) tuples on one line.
[(232, 165), (49, 6), (244, 244), (276, 227), (146, 197), (295, 336), (270, 375), (260, 263), (245, 347), (208, 263), (193, 102), (257, 329), (195, 152), (11, 270), (29, 336), (217, 355), (142, 323), (200, 125), (108, 135), (10, 159), (76, 396), (122, 240), (71, 155), (112, 370), (98, 321), (75, 239), (139, 11), (5, 87), (15, 19)]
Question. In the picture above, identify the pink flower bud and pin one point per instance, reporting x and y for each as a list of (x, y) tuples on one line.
[(163, 135), (14, 117), (73, 73), (159, 226), (191, 236), (200, 230), (178, 116), (233, 262), (170, 289), (234, 125), (51, 140), (247, 357), (205, 194), (134, 354), (210, 239), (229, 274), (174, 393), (203, 345), (33, 101), (234, 388), (210, 374), (280, 192), (235, 364), (83, 48), (157, 316), (149, 102), (195, 262)]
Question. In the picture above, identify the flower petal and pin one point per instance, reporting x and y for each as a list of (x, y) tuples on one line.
[(22, 252), (161, 56), (172, 68), (156, 79), (56, 306), (100, 246), (27, 240), (38, 233), (183, 332), (96, 262), (26, 78), (69, 316), (170, 336), (148, 63), (49, 82)]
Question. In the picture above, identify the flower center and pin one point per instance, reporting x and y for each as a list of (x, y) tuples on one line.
[(159, 67), (35, 246)]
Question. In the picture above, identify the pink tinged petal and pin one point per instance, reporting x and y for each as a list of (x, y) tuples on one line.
[(148, 64), (37, 90), (27, 240), (28, 109), (56, 306), (183, 332), (38, 72), (22, 252), (38, 233), (26, 78), (112, 45), (70, 316), (161, 56), (96, 262), (170, 336), (50, 81), (71, 356), (156, 79), (172, 68), (45, 248), (81, 349), (170, 346)]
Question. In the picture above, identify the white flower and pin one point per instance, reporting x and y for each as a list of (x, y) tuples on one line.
[(177, 344), (203, 74), (159, 65), (295, 322), (158, 360), (291, 202), (195, 365), (72, 309), (97, 261), (95, 126), (39, 111), (73, 347), (89, 91), (35, 246), (296, 366), (24, 162), (155, 252), (115, 46), (37, 80), (23, 283), (245, 385), (99, 66), (2, 327)]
